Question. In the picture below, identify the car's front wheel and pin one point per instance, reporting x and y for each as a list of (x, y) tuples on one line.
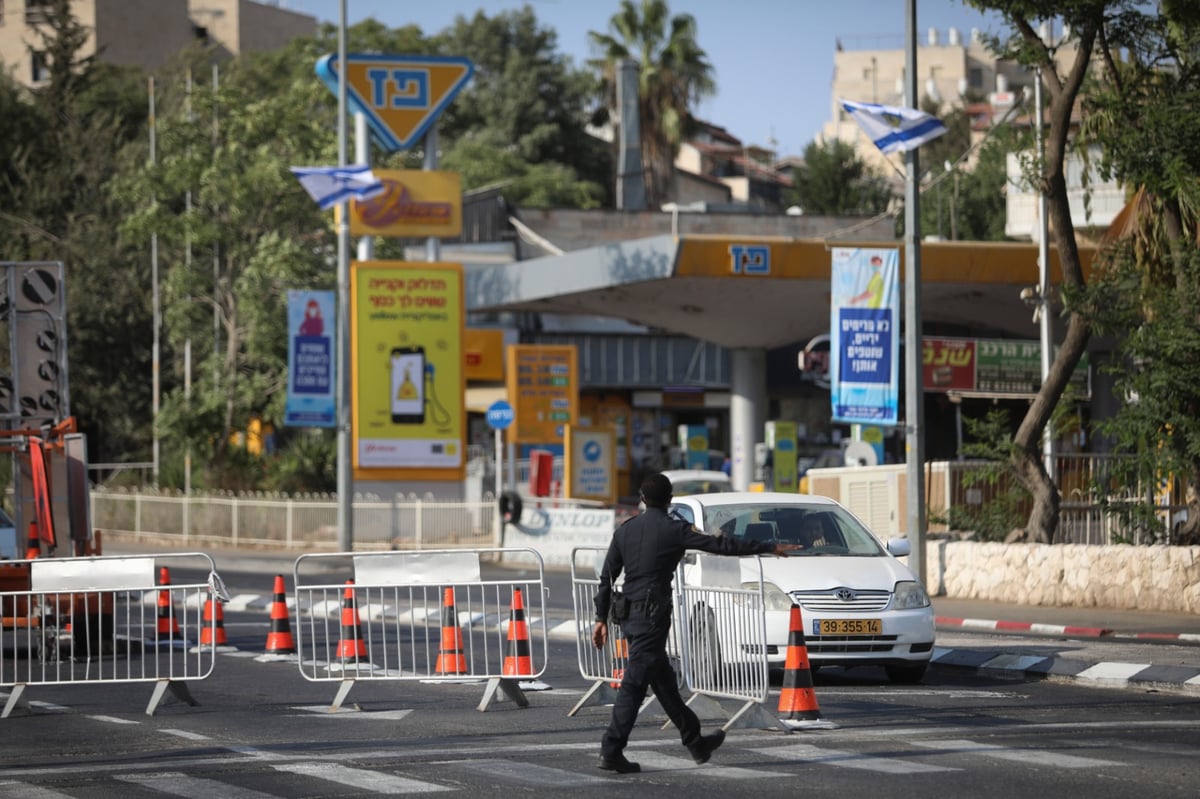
[(907, 675)]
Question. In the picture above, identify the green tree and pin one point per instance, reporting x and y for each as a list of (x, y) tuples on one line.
[(1141, 116), (65, 139), (673, 74), (834, 181), (1093, 26), (267, 235)]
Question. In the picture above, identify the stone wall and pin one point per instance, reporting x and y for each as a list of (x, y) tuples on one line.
[(1155, 578)]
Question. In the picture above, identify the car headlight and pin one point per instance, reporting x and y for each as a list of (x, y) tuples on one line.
[(910, 594), (773, 596)]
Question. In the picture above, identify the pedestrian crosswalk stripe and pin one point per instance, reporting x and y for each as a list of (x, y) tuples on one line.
[(528, 773), (176, 783), (837, 757), (1039, 757), (27, 791), (361, 779), (661, 762)]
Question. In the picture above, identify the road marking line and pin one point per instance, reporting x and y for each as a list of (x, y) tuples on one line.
[(360, 778), (176, 783), (527, 773), (188, 734), (27, 791), (1028, 756), (837, 757), (113, 720), (661, 762)]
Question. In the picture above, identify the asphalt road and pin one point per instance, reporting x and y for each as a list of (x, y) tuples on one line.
[(260, 729)]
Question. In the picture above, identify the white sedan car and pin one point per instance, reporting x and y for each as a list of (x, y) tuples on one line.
[(860, 605)]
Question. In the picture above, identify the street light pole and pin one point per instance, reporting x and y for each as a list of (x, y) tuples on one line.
[(1043, 293), (345, 504), (914, 396)]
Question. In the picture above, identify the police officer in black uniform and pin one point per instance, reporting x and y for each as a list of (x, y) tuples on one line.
[(648, 548)]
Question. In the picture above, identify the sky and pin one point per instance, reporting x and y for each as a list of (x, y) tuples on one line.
[(773, 59)]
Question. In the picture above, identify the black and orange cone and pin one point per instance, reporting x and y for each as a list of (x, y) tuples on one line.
[(212, 632), (279, 639), (620, 656), (351, 647), (168, 621), (450, 659), (519, 660), (33, 544), (797, 698)]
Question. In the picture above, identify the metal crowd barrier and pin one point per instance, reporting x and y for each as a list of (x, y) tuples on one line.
[(717, 642), (105, 620), (605, 668), (427, 616)]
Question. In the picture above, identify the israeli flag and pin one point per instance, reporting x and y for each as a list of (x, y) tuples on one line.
[(894, 129), (330, 185)]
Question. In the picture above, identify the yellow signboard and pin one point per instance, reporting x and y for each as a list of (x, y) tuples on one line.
[(414, 204), (543, 386), (406, 339)]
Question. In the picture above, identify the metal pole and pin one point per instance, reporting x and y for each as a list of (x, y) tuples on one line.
[(914, 397), (362, 155), (499, 480), (433, 245), (1043, 298), (157, 310), (344, 476)]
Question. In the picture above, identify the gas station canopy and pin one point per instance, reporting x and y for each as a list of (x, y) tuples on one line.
[(756, 292)]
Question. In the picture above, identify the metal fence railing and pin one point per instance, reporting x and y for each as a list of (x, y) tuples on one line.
[(420, 616), (270, 520), (105, 621)]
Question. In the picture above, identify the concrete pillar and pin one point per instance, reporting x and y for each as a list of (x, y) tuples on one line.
[(747, 410)]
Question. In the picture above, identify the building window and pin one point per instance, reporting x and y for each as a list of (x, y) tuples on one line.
[(975, 78), (36, 11), (39, 68)]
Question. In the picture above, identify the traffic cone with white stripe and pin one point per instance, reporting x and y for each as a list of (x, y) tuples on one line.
[(797, 698), (351, 648), (279, 639), (620, 656), (450, 659), (212, 632), (519, 660), (168, 620)]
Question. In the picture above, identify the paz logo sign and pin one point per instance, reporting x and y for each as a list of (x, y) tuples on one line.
[(400, 96)]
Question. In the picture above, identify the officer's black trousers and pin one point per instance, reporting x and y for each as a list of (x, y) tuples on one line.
[(647, 667)]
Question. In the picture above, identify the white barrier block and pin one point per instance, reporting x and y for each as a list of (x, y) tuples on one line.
[(417, 568), (107, 574)]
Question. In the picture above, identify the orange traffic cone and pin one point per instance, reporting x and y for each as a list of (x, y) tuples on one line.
[(351, 647), (208, 635), (519, 661), (33, 544), (168, 623), (450, 659), (620, 656), (797, 698), (279, 639)]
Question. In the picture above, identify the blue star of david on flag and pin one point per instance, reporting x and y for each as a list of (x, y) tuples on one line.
[(330, 185), (893, 128)]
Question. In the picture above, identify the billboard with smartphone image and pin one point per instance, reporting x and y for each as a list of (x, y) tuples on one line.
[(406, 339)]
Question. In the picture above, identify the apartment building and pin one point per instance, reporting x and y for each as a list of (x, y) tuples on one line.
[(147, 33)]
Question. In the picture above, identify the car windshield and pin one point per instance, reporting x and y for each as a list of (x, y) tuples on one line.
[(821, 530), (683, 488)]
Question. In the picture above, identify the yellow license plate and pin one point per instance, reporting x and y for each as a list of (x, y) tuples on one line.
[(848, 626)]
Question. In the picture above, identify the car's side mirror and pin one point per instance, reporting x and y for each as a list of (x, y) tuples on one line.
[(899, 546)]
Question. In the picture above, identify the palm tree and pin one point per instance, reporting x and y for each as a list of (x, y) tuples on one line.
[(673, 73)]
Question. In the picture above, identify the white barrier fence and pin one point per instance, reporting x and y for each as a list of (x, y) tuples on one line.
[(427, 616), (105, 620), (717, 641)]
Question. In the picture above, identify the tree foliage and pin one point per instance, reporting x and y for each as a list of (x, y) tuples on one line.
[(673, 74), (835, 181), (1141, 116)]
